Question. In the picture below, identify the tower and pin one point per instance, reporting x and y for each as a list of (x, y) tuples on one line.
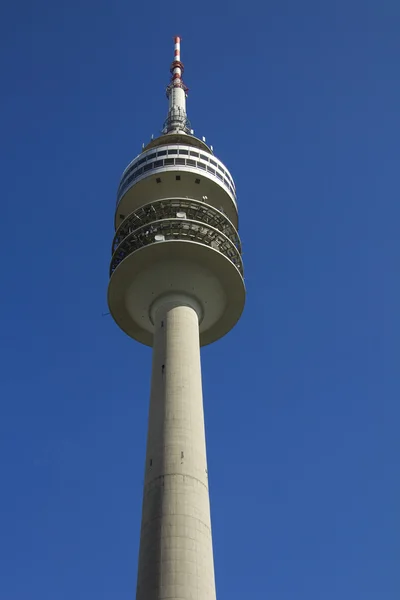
[(176, 283)]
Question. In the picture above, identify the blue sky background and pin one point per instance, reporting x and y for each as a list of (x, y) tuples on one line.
[(301, 101)]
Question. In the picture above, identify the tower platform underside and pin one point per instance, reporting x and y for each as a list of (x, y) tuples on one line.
[(186, 267)]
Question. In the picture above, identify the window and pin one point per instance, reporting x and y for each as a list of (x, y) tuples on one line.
[(197, 180), (211, 170), (183, 152), (125, 177), (178, 177), (148, 167), (172, 151), (226, 182), (162, 153), (151, 156), (140, 162), (158, 180), (158, 163), (131, 178), (204, 157), (219, 176), (179, 161), (139, 171), (194, 154), (201, 166), (190, 163), (213, 163), (220, 168), (169, 161)]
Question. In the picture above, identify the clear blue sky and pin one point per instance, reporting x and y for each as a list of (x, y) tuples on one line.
[(301, 101)]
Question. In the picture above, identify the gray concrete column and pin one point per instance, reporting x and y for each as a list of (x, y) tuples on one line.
[(176, 557)]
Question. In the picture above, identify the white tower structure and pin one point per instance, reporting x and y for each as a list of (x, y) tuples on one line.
[(176, 283)]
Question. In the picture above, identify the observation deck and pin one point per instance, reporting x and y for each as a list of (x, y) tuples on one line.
[(181, 245), (176, 169), (176, 224), (176, 219)]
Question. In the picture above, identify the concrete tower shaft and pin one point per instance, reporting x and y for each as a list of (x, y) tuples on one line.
[(176, 558), (176, 283)]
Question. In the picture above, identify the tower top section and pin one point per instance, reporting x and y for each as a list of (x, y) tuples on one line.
[(177, 121)]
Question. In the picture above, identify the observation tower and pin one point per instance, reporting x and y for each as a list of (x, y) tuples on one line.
[(176, 283)]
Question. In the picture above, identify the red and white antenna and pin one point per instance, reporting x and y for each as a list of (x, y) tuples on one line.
[(177, 52), (176, 94), (177, 67)]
